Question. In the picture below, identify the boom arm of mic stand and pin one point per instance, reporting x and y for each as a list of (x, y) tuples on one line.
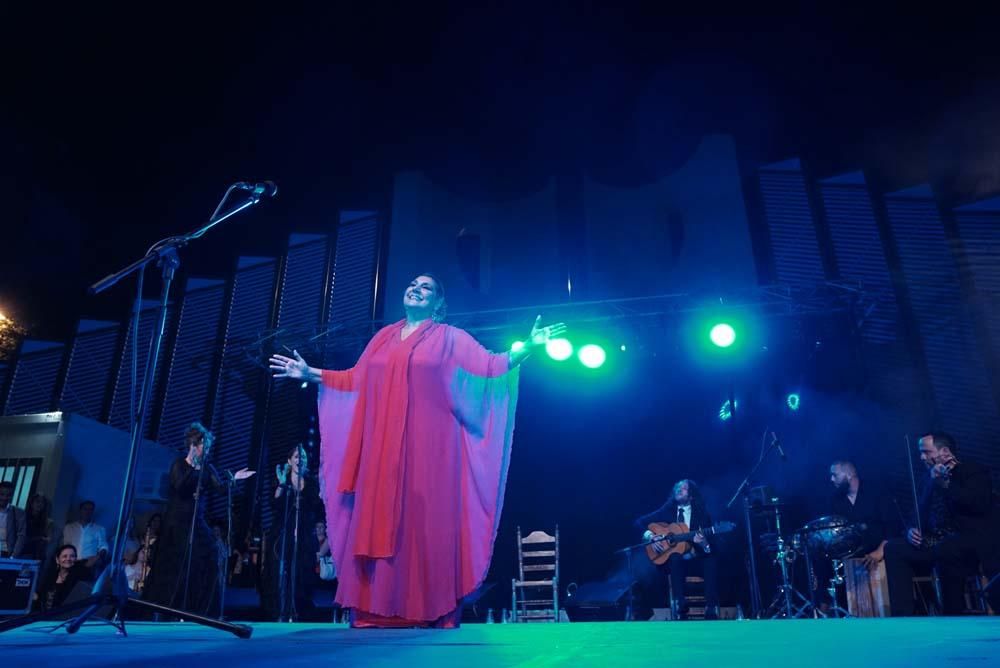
[(171, 245), (746, 481)]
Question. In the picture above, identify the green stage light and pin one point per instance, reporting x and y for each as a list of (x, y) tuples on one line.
[(793, 401), (517, 345), (559, 349), (592, 356), (723, 335)]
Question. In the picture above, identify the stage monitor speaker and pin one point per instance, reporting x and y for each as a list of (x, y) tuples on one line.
[(598, 602), (18, 581)]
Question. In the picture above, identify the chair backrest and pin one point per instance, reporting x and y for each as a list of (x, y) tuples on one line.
[(538, 555)]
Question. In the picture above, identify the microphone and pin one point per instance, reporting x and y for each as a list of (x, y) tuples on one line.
[(776, 443), (263, 189)]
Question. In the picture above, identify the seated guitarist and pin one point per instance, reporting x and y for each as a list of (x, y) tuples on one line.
[(687, 507)]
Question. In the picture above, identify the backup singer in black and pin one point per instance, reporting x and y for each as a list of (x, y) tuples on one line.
[(166, 581), (289, 565)]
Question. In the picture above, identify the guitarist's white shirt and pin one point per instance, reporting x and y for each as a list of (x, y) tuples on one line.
[(686, 510)]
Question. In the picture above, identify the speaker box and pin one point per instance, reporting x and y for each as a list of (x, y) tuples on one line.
[(598, 602), (18, 580)]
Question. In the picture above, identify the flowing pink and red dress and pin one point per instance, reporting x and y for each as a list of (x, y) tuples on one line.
[(415, 448)]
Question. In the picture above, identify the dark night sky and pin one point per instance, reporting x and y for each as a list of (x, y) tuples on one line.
[(119, 127)]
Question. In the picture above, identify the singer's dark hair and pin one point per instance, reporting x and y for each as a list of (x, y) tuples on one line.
[(298, 448), (196, 434)]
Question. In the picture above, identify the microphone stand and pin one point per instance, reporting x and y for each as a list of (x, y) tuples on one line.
[(287, 572), (627, 551), (191, 530), (742, 490), (282, 562), (293, 611), (111, 588), (230, 483)]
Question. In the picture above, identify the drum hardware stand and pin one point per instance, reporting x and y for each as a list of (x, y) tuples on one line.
[(836, 580), (785, 604)]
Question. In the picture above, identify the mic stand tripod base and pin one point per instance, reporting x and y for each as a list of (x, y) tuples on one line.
[(119, 604)]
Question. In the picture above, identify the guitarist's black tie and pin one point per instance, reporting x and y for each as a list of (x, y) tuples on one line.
[(680, 515)]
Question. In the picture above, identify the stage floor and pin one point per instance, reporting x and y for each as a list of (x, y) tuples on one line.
[(843, 643)]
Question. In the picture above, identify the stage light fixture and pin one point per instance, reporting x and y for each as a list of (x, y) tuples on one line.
[(559, 349), (793, 400), (722, 334), (517, 345), (592, 356)]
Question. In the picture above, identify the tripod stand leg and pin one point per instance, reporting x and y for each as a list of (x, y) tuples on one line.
[(238, 630), (92, 603), (17, 622)]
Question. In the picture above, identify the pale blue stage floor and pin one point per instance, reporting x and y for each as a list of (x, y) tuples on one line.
[(844, 643)]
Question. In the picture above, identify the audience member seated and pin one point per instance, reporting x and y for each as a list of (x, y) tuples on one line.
[(89, 538), (140, 553), (325, 569), (59, 579)]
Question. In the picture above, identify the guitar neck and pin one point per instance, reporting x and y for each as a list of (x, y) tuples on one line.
[(691, 534)]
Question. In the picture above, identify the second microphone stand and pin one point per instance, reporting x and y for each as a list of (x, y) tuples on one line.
[(288, 567), (744, 491)]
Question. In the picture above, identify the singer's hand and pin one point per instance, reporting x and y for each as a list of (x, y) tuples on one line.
[(294, 368), (539, 335), (281, 471), (243, 473), (914, 537)]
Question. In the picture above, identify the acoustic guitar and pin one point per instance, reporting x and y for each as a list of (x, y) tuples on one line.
[(678, 538)]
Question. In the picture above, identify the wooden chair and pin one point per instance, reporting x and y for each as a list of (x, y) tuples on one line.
[(694, 589), (535, 593)]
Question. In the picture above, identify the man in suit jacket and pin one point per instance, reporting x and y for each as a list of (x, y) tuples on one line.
[(13, 527), (956, 518), (687, 506)]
